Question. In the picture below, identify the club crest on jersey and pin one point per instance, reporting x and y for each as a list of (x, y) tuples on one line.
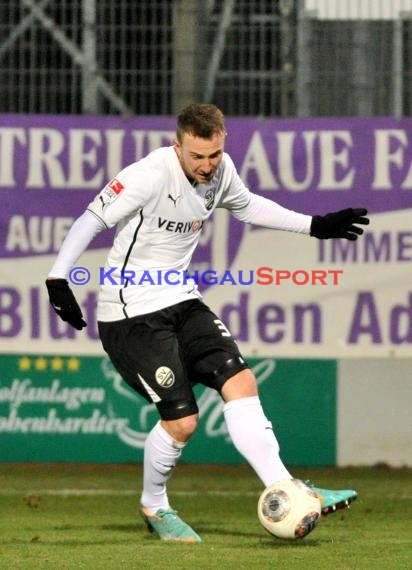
[(165, 377), (209, 199)]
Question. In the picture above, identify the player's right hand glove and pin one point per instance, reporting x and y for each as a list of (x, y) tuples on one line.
[(64, 303)]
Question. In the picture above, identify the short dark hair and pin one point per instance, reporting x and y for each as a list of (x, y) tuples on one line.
[(203, 120)]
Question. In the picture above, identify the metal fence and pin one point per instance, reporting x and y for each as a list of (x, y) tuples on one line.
[(252, 57)]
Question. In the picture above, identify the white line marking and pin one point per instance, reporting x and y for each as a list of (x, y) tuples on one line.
[(120, 492)]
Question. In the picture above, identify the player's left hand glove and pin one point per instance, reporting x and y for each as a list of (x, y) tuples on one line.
[(64, 303), (339, 224)]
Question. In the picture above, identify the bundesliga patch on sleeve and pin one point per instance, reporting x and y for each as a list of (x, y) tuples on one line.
[(111, 191)]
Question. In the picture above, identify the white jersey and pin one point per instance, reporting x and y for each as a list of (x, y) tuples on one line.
[(159, 216)]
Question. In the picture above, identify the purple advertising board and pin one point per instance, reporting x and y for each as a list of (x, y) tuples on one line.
[(52, 166)]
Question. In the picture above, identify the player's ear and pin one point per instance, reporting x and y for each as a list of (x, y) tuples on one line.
[(178, 147)]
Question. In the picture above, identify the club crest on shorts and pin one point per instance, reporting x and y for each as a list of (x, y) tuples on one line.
[(164, 377)]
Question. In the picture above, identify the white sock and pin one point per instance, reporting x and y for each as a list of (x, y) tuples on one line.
[(161, 454), (252, 435)]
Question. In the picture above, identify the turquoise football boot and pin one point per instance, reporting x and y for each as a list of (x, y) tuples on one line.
[(168, 526), (331, 501)]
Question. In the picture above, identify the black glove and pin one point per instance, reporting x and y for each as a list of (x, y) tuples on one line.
[(339, 224), (64, 303)]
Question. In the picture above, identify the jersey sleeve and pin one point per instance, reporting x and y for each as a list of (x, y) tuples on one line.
[(82, 232), (253, 209), (123, 196), (268, 214)]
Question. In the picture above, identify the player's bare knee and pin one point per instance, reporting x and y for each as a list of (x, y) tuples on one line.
[(181, 429), (187, 426)]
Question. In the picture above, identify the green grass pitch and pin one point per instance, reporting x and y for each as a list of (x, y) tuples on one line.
[(73, 517)]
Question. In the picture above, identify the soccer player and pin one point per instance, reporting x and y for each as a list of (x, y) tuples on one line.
[(162, 338)]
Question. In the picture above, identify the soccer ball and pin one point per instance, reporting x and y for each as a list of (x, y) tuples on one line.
[(289, 509)]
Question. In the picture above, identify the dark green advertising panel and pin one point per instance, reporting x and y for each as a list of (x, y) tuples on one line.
[(77, 409)]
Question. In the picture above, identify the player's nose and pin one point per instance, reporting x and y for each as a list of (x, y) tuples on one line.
[(210, 165)]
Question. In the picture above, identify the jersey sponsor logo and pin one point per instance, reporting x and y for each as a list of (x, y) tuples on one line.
[(196, 225), (164, 377), (209, 199), (180, 227)]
